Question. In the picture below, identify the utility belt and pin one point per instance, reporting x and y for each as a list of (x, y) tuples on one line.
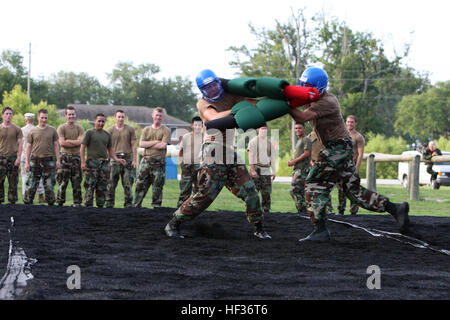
[(41, 158), (68, 155), (13, 157), (122, 155)]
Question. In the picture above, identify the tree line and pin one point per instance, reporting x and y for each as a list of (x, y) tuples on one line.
[(388, 97)]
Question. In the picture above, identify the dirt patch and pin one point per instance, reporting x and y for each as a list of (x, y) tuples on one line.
[(124, 254)]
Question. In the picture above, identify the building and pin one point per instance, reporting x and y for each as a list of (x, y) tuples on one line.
[(141, 115)]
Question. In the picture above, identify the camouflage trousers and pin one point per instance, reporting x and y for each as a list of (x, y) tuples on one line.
[(263, 184), (335, 163), (343, 200), (70, 171), (41, 168), (151, 173), (95, 182), (10, 171), (188, 182), (211, 179), (127, 174), (298, 188)]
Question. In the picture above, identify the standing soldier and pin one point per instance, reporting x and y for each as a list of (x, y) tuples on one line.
[(152, 169), (10, 154), (261, 159), (42, 144), (29, 124), (301, 164), (70, 136), (124, 145), (190, 155), (98, 144), (358, 154)]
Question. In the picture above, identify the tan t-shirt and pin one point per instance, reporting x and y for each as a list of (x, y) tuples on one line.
[(122, 138), (192, 148), (160, 134), (42, 141), (70, 133), (330, 124), (8, 140), (316, 146), (226, 103), (358, 141), (261, 150)]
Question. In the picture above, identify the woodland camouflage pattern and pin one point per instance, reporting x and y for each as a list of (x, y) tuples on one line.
[(152, 172), (334, 163), (10, 171), (96, 181), (70, 170), (45, 168)]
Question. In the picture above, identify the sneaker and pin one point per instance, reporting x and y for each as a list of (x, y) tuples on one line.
[(260, 232), (76, 205), (172, 229), (319, 233)]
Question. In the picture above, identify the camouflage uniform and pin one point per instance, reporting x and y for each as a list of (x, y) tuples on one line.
[(8, 169), (299, 173), (335, 162), (127, 173), (151, 172), (10, 137), (188, 182), (42, 165), (263, 184), (96, 180), (212, 178), (260, 151), (70, 170), (41, 168)]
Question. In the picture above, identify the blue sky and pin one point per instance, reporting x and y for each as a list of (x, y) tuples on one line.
[(184, 37)]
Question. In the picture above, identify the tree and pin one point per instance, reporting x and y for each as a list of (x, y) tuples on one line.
[(19, 101), (136, 85), (425, 115), (12, 71), (69, 87), (366, 82)]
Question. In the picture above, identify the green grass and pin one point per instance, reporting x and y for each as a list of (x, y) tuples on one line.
[(431, 203)]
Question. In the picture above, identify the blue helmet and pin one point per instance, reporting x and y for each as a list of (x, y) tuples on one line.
[(209, 85), (314, 77)]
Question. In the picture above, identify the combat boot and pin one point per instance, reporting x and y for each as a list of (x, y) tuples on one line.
[(260, 232), (172, 229), (319, 233), (400, 212)]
